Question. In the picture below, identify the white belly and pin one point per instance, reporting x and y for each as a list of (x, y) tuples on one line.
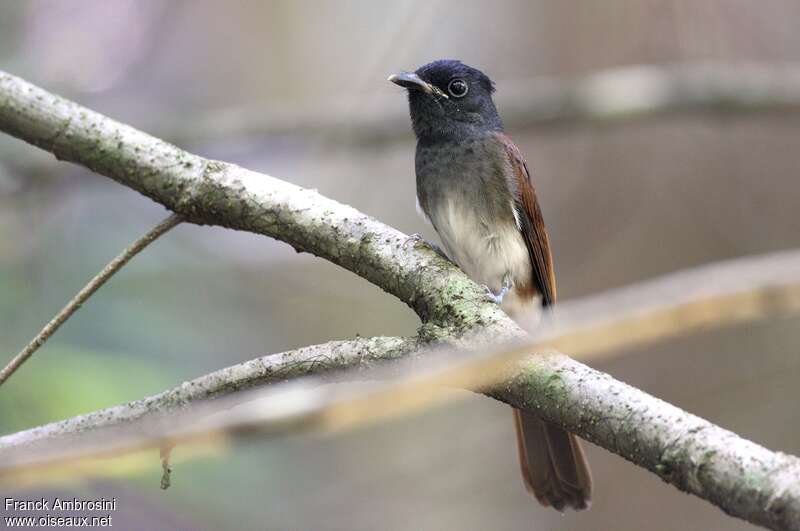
[(485, 252)]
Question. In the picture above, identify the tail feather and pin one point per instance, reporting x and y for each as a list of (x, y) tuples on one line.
[(554, 467)]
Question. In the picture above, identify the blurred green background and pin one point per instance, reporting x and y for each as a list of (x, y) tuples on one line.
[(248, 82)]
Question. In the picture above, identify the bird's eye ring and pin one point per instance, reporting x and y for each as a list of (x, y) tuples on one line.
[(458, 88)]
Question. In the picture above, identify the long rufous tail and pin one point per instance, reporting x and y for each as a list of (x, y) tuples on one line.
[(554, 468)]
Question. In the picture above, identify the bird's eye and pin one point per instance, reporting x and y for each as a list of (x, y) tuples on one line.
[(458, 88)]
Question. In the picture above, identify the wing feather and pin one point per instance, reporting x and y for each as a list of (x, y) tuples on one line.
[(531, 222)]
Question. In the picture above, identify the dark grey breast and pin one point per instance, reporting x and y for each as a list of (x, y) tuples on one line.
[(467, 190), (471, 169)]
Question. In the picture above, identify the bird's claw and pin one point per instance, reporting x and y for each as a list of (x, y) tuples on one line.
[(497, 298), (492, 297), (414, 238)]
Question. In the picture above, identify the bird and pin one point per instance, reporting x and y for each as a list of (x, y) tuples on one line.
[(474, 187)]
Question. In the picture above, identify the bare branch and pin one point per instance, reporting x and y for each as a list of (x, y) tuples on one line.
[(742, 478), (87, 291)]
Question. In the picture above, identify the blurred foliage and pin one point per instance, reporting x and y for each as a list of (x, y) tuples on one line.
[(67, 382)]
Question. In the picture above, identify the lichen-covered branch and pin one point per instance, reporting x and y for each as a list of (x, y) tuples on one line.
[(742, 478), (562, 390)]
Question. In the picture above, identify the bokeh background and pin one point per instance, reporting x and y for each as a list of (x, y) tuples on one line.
[(286, 88)]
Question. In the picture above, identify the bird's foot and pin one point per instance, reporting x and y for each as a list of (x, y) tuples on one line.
[(497, 298), (414, 238)]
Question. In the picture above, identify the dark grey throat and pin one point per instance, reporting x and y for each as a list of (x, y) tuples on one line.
[(435, 120)]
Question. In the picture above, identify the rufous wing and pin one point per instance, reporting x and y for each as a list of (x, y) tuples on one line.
[(554, 467), (531, 222)]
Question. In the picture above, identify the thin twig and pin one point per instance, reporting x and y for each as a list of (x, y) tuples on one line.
[(166, 470), (83, 295)]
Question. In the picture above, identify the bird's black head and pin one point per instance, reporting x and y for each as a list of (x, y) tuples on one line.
[(449, 101)]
